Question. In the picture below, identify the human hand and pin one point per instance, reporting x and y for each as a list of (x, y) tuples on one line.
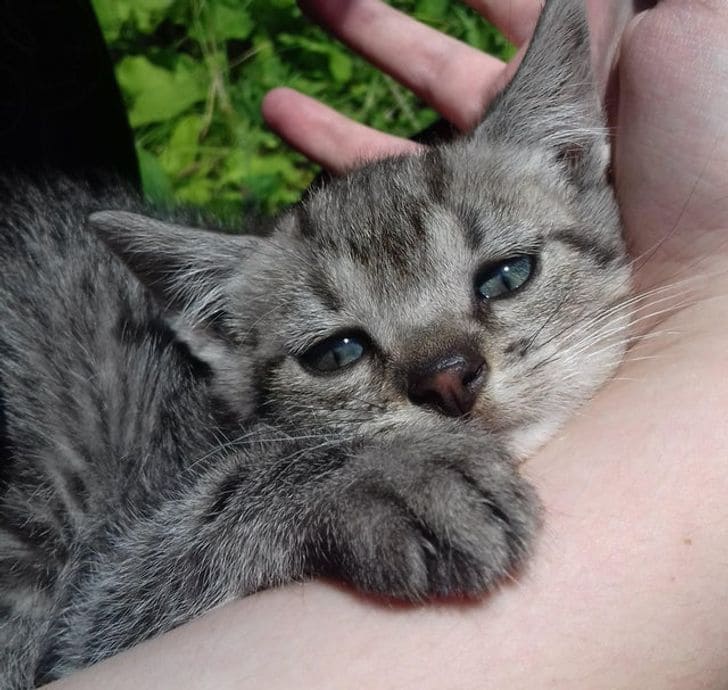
[(669, 144), (456, 80)]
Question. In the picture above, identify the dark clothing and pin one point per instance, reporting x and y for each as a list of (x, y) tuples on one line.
[(60, 106)]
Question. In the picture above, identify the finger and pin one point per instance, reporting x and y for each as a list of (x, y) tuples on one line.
[(514, 18), (517, 19), (325, 136), (453, 78), (671, 149)]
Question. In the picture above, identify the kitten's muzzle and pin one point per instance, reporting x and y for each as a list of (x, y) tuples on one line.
[(450, 385)]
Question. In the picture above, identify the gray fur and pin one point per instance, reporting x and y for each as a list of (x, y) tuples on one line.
[(165, 449)]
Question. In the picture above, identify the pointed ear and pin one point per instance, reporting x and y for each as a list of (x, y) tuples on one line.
[(188, 270), (552, 101)]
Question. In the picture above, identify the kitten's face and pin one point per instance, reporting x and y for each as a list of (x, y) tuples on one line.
[(484, 280), (466, 282)]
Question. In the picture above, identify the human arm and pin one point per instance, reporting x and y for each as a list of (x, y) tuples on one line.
[(626, 589)]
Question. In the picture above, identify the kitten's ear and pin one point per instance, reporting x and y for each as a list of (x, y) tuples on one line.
[(189, 270), (552, 101)]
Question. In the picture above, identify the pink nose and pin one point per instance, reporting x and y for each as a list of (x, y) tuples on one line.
[(449, 385)]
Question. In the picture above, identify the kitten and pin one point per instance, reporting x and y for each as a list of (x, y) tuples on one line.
[(194, 416)]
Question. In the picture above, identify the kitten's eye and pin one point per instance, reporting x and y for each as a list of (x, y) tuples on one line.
[(334, 354), (505, 277)]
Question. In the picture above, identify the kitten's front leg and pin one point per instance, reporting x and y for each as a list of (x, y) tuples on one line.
[(418, 517), (409, 517)]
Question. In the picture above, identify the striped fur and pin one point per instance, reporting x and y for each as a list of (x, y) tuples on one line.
[(163, 445)]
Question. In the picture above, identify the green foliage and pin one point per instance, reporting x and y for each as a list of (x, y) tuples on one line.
[(193, 74)]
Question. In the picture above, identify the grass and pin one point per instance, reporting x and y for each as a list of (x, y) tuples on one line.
[(193, 74)]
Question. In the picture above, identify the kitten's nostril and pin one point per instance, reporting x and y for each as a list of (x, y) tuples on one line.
[(450, 384), (471, 376)]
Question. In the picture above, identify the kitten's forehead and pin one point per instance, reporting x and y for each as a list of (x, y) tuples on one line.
[(390, 211), (376, 215), (405, 270)]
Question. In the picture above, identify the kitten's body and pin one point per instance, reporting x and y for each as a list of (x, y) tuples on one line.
[(103, 407), (342, 398)]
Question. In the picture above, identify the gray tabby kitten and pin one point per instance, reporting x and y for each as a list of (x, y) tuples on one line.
[(193, 416)]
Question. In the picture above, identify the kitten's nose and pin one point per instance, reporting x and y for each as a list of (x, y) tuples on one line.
[(450, 384)]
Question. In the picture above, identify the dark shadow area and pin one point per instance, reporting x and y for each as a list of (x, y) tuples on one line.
[(640, 5), (61, 107)]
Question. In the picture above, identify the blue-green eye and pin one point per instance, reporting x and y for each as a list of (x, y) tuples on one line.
[(505, 277), (334, 354)]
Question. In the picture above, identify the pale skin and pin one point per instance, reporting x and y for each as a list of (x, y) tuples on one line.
[(628, 587)]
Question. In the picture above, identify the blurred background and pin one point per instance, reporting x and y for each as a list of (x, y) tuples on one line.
[(193, 74)]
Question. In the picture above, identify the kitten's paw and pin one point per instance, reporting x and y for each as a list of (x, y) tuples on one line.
[(431, 518)]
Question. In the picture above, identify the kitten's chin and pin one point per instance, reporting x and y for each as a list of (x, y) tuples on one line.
[(523, 442)]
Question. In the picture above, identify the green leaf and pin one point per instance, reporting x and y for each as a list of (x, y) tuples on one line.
[(145, 15), (341, 66), (231, 22), (148, 13), (181, 150), (111, 15), (158, 94), (198, 191), (236, 168), (431, 9), (155, 182)]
